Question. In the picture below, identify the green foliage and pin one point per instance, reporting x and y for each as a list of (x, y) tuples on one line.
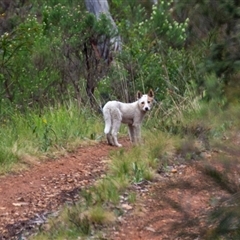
[(161, 23), (52, 57), (137, 173), (227, 220), (82, 223), (16, 47), (214, 89), (132, 197), (153, 54), (99, 215), (216, 22), (50, 53), (106, 191)]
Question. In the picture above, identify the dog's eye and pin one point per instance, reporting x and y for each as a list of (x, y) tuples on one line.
[(142, 102), (148, 101)]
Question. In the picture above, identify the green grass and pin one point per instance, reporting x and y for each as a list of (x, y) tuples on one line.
[(99, 215), (31, 135)]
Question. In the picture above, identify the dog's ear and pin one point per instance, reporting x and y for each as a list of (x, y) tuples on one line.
[(139, 94), (151, 93)]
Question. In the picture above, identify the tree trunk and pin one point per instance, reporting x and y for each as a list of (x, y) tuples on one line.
[(98, 7), (103, 47)]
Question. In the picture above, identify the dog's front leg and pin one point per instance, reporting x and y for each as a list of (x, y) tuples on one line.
[(136, 133), (131, 132)]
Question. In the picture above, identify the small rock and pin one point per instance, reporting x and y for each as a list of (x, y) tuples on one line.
[(150, 229), (126, 207), (182, 166), (121, 220), (20, 199), (19, 204)]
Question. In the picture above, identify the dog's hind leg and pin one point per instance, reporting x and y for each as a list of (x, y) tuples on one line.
[(108, 125), (110, 139), (108, 120), (115, 129), (116, 123)]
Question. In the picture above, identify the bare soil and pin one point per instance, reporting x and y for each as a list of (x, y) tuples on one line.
[(175, 206), (28, 196)]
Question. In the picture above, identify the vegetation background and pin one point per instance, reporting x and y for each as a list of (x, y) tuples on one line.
[(54, 80)]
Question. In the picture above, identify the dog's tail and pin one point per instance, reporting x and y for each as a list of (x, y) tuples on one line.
[(107, 119)]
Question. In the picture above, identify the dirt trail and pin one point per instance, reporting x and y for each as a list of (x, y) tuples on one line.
[(46, 186), (175, 206)]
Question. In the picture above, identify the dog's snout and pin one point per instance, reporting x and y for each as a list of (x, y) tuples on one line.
[(146, 108)]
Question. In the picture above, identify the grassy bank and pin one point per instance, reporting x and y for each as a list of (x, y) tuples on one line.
[(33, 135)]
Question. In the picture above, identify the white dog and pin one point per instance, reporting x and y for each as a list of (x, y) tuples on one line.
[(115, 112)]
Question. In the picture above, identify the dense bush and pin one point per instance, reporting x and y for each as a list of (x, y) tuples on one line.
[(218, 22), (53, 52)]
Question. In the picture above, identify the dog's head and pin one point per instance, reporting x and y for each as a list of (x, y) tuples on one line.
[(145, 101)]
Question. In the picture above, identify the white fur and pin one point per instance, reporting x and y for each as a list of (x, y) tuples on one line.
[(116, 112)]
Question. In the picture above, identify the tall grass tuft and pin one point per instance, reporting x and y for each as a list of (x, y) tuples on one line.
[(25, 136)]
